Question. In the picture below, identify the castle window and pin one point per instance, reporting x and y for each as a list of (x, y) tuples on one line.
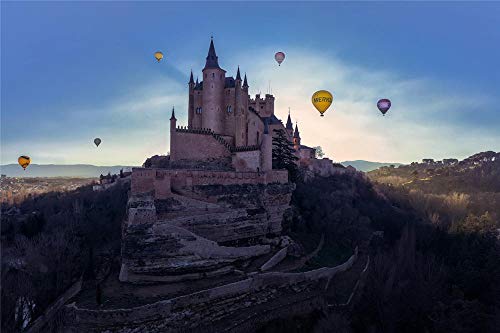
[(213, 75), (229, 110), (198, 110)]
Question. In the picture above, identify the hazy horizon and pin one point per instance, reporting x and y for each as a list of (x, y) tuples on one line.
[(66, 81)]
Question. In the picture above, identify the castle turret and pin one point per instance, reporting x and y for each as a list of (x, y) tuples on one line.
[(296, 138), (245, 83), (213, 92), (238, 76), (191, 101), (266, 148), (241, 111), (289, 126), (173, 125)]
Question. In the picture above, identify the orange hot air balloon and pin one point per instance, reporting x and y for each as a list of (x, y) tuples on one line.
[(24, 161), (279, 57), (322, 100), (158, 56)]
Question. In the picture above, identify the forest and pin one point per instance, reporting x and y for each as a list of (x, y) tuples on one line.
[(57, 238)]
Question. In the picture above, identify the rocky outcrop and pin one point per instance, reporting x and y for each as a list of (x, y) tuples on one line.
[(235, 307), (182, 237)]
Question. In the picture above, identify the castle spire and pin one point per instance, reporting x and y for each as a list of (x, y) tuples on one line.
[(296, 134), (191, 78), (212, 59), (289, 125), (173, 114), (238, 76), (245, 83)]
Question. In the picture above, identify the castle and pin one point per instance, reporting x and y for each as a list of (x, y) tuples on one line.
[(224, 122)]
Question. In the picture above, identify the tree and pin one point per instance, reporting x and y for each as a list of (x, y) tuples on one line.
[(319, 152), (284, 154)]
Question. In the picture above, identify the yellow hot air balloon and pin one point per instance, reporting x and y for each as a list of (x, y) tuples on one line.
[(322, 100), (158, 56), (24, 161)]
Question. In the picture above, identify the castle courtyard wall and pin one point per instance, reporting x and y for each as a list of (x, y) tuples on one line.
[(196, 146), (247, 160)]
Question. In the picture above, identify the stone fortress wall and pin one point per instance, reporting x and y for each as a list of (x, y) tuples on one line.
[(163, 181)]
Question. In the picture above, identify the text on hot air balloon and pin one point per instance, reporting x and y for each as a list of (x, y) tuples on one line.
[(322, 99)]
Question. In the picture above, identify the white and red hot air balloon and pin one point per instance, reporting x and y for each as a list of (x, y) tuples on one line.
[(279, 57)]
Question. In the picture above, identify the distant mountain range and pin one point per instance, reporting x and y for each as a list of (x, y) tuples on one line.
[(366, 166), (55, 170), (88, 170)]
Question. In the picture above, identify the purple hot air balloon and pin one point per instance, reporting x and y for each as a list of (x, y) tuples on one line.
[(384, 105)]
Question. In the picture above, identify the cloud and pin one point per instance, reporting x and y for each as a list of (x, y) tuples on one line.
[(425, 119)]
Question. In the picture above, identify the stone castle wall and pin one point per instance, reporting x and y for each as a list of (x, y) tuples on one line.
[(247, 160), (196, 146), (158, 180)]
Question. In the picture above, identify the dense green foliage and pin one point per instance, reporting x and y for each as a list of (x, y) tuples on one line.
[(283, 154)]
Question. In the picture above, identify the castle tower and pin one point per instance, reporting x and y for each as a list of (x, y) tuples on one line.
[(173, 125), (213, 92), (266, 149), (241, 110), (296, 138), (191, 101)]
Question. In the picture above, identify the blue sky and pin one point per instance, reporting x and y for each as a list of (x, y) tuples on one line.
[(73, 71)]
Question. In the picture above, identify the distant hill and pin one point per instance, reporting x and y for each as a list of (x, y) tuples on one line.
[(366, 166), (55, 170), (477, 173)]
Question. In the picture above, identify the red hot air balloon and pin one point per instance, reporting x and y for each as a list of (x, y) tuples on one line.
[(279, 57), (384, 105)]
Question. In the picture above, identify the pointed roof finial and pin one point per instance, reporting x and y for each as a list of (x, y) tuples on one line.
[(289, 125), (212, 59), (173, 114), (238, 76), (245, 83), (191, 77)]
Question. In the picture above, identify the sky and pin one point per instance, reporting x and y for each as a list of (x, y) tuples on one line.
[(73, 71)]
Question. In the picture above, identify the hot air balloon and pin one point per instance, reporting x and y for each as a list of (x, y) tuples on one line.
[(97, 141), (158, 56), (322, 100), (24, 161), (279, 57), (384, 105)]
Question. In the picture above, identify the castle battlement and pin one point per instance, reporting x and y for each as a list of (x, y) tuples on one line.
[(161, 182)]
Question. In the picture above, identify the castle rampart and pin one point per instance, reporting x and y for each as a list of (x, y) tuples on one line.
[(158, 180)]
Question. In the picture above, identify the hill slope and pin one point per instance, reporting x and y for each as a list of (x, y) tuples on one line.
[(55, 170), (366, 166)]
